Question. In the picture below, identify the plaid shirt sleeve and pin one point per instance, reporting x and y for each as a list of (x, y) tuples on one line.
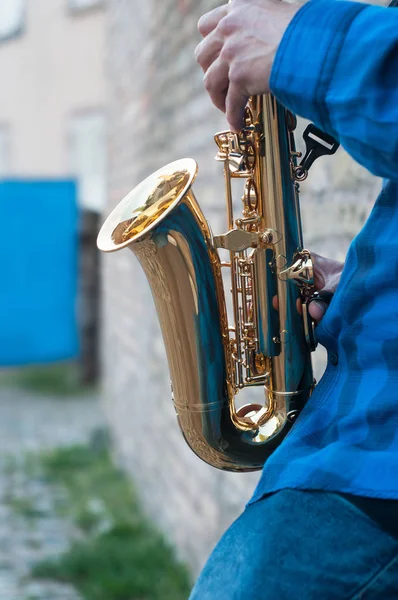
[(337, 65)]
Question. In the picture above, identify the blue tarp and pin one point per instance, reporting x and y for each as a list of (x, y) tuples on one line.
[(38, 271)]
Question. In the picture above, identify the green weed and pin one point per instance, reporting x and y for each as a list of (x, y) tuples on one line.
[(121, 555), (58, 379)]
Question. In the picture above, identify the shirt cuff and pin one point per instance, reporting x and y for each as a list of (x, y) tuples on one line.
[(306, 57)]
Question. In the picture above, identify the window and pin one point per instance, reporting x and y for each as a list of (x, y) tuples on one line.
[(12, 14), (87, 151), (5, 152), (77, 5)]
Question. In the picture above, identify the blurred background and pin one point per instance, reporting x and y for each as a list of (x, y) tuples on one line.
[(100, 498)]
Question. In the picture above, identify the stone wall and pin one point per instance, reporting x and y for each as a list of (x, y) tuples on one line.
[(159, 112)]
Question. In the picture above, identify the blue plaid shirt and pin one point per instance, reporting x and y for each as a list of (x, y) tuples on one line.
[(337, 65)]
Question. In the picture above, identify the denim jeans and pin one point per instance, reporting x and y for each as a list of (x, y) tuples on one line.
[(305, 546)]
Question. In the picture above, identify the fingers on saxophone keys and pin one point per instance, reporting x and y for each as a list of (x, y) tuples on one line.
[(235, 103), (299, 305), (210, 20), (216, 83)]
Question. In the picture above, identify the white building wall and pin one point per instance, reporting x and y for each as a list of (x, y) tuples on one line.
[(54, 67)]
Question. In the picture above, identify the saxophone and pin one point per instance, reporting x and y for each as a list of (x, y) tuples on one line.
[(269, 341)]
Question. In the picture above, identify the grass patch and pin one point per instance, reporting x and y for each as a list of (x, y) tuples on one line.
[(58, 379), (126, 563), (25, 507), (121, 556)]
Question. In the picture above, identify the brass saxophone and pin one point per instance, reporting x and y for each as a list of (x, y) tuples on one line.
[(270, 340)]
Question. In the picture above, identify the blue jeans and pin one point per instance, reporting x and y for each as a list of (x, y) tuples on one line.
[(305, 546)]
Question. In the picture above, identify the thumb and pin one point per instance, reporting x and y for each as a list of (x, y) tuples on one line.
[(318, 306), (317, 309)]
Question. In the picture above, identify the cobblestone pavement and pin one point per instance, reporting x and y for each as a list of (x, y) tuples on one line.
[(30, 528)]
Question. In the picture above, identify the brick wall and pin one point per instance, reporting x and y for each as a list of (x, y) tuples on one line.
[(159, 112)]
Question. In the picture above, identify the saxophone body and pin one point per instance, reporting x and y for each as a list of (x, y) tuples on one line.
[(268, 344)]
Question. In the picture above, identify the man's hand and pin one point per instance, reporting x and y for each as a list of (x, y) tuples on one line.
[(327, 273), (238, 51)]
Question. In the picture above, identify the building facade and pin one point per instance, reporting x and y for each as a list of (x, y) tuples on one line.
[(53, 120), (159, 112), (52, 111)]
